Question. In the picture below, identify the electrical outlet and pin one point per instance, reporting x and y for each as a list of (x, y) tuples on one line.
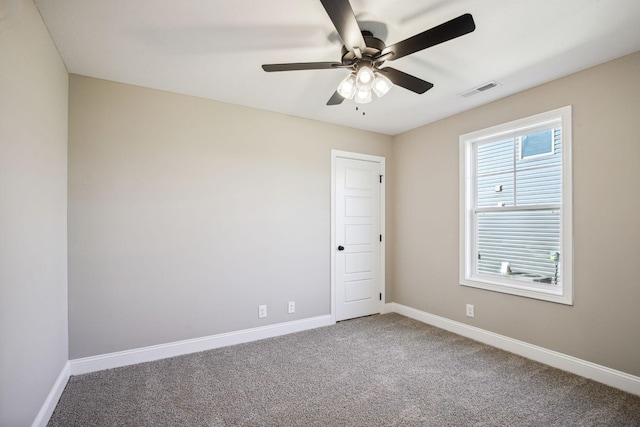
[(262, 311), (470, 310), (292, 307)]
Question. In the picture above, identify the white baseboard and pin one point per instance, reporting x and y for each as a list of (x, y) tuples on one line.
[(147, 354), (602, 374), (51, 401)]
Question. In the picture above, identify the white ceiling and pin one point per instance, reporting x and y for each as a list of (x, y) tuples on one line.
[(214, 49)]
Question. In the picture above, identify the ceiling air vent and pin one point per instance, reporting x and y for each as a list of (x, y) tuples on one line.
[(482, 88)]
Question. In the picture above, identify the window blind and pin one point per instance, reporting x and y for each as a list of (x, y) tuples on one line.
[(518, 202)]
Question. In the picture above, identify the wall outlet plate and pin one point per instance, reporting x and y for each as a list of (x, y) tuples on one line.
[(470, 310), (262, 311), (291, 308)]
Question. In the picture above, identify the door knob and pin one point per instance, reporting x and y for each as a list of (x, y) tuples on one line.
[(341, 248)]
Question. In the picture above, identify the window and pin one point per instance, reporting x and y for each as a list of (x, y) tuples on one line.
[(537, 144), (515, 207)]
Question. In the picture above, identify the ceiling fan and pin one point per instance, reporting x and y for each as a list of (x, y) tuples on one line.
[(364, 54)]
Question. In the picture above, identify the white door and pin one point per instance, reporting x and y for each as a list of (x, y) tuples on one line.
[(358, 235)]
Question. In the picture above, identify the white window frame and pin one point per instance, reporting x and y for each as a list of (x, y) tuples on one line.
[(564, 293)]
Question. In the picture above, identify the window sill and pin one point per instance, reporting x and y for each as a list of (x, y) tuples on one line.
[(509, 287)]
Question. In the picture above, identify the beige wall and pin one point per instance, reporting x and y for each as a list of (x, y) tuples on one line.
[(33, 207), (186, 214), (602, 325)]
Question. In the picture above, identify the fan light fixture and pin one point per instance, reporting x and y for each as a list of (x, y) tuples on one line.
[(381, 85), (347, 87), (358, 85), (363, 96), (364, 77)]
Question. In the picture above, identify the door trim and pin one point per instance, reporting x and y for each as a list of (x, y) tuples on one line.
[(335, 154)]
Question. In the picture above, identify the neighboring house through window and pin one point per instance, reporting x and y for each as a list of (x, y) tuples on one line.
[(515, 207)]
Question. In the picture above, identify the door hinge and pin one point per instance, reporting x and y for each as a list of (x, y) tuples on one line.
[(380, 296), (381, 237), (381, 179)]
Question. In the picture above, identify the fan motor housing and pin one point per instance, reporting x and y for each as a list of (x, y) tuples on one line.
[(374, 47)]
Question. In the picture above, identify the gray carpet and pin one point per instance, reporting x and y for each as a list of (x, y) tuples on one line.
[(384, 370)]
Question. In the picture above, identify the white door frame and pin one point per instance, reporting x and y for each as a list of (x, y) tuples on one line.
[(366, 157)]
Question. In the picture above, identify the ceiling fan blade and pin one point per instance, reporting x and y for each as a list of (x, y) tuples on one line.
[(301, 66), (457, 27), (345, 22), (335, 99), (405, 80)]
